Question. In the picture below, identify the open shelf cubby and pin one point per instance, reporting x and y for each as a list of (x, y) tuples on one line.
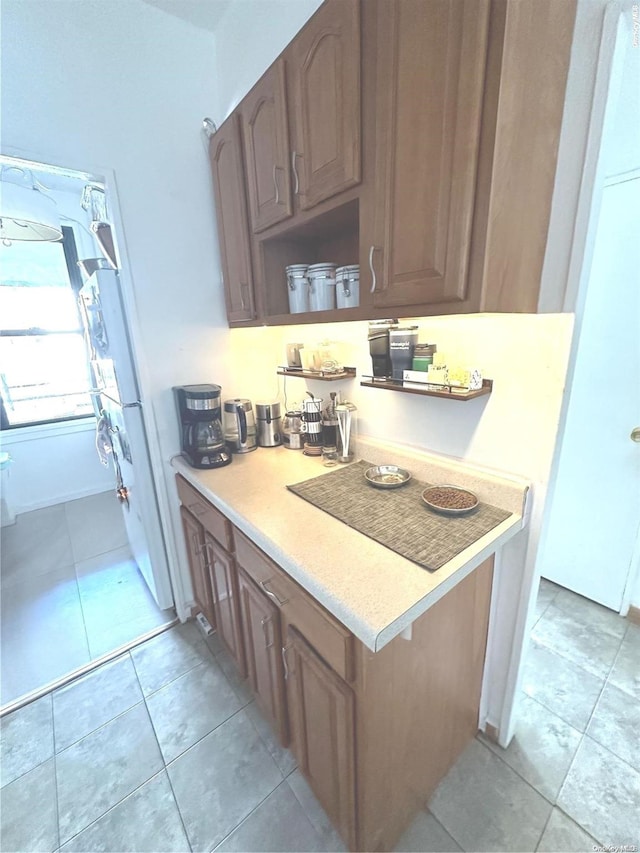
[(333, 237), (446, 392)]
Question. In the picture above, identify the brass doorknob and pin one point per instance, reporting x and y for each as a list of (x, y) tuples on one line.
[(635, 434)]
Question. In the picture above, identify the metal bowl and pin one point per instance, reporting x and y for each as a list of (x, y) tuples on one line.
[(445, 510), (387, 476)]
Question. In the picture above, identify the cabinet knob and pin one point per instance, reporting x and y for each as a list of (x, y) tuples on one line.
[(635, 434)]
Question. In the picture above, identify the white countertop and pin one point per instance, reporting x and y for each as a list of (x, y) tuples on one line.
[(373, 591)]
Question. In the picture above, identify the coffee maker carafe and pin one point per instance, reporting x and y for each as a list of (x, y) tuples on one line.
[(203, 444), (239, 425)]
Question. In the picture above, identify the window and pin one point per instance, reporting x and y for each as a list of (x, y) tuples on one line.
[(44, 370)]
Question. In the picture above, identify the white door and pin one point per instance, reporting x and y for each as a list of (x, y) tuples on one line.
[(595, 515)]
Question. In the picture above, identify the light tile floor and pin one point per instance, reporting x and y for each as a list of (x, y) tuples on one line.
[(164, 750), (70, 590)]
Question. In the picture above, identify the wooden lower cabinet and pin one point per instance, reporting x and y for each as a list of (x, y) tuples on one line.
[(372, 732), (263, 648), (194, 540), (224, 586), (322, 713)]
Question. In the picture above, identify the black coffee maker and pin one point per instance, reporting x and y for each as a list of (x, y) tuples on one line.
[(203, 444)]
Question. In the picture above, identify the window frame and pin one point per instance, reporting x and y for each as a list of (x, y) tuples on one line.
[(75, 282)]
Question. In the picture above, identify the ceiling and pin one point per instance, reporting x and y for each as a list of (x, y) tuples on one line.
[(201, 13)]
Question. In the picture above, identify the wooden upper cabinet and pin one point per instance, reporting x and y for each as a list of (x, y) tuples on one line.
[(266, 146), (321, 710), (231, 207), (430, 62), (325, 59)]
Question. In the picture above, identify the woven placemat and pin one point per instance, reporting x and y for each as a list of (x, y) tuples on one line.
[(397, 518)]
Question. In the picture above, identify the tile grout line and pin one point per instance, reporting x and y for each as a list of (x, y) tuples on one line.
[(544, 829), (583, 735), (138, 787), (171, 681), (55, 773), (164, 763), (442, 826), (102, 726), (559, 654), (82, 613), (111, 808), (519, 775), (554, 713), (264, 743), (255, 808)]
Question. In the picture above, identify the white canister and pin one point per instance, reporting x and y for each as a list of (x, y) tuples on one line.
[(348, 286), (322, 287), (298, 288)]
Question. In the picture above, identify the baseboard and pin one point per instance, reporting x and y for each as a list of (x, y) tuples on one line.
[(60, 499), (634, 615), (491, 733)]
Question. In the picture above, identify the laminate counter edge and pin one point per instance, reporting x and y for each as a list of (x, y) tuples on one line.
[(374, 592)]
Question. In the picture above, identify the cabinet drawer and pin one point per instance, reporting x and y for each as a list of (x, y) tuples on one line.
[(209, 517), (330, 638)]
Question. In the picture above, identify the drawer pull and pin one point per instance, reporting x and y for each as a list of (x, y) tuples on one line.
[(265, 623), (296, 185), (197, 509), (374, 280), (272, 594), (285, 649)]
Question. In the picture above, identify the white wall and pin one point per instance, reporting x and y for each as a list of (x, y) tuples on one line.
[(150, 79), (52, 464), (249, 36)]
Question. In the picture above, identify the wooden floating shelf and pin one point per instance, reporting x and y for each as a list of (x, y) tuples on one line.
[(347, 373), (446, 393)]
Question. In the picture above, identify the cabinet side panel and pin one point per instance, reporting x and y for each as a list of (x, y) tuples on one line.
[(535, 64), (417, 709)]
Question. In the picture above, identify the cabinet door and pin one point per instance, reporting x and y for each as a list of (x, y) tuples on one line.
[(263, 649), (227, 169), (266, 145), (326, 59), (194, 540), (224, 586), (430, 66), (321, 711)]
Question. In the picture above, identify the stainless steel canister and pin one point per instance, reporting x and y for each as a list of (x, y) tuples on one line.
[(268, 424)]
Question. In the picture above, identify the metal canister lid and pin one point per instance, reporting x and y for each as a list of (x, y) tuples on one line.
[(320, 268), (237, 403), (268, 411)]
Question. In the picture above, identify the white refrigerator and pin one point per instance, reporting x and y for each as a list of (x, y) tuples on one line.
[(121, 427)]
